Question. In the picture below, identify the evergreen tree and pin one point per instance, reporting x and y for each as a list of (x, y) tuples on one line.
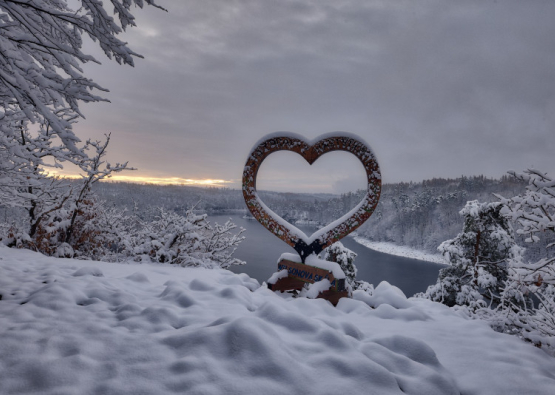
[(478, 258), (337, 252)]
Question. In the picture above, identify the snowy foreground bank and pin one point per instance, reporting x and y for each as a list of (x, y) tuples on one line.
[(78, 327), (393, 249)]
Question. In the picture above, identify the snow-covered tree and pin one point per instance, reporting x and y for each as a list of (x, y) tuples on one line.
[(337, 252), (24, 182), (534, 212), (42, 83), (94, 168), (41, 86), (478, 258), (41, 79), (58, 209)]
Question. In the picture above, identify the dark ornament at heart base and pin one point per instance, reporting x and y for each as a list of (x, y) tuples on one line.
[(311, 151)]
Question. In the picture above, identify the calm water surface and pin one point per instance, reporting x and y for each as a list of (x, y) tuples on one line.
[(261, 251)]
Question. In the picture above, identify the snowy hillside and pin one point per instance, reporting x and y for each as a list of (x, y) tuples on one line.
[(83, 327)]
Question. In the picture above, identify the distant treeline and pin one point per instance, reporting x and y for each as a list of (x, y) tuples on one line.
[(424, 214), (416, 214)]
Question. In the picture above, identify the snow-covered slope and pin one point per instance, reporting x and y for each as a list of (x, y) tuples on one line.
[(75, 327)]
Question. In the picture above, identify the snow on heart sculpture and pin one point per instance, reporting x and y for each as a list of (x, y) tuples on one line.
[(311, 150)]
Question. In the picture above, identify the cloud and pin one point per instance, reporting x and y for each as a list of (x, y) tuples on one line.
[(438, 88)]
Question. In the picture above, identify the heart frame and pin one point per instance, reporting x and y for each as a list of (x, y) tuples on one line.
[(311, 151)]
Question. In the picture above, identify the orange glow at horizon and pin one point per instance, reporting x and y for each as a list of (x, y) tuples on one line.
[(158, 180), (171, 180)]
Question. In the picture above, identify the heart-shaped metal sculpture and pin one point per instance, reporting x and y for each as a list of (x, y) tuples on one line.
[(310, 151)]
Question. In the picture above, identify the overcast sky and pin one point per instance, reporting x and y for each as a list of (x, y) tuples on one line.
[(437, 88)]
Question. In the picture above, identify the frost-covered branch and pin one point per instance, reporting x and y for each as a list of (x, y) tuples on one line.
[(535, 209), (41, 56), (534, 212), (94, 169)]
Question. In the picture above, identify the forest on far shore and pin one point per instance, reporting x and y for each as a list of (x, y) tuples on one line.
[(420, 215), (416, 214)]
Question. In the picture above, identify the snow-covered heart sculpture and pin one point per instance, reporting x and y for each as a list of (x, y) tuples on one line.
[(310, 151)]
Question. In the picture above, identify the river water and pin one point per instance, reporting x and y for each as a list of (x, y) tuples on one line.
[(261, 250)]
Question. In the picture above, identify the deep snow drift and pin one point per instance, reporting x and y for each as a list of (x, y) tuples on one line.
[(82, 327)]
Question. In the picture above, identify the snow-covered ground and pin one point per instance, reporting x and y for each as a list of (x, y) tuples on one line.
[(394, 249), (83, 327)]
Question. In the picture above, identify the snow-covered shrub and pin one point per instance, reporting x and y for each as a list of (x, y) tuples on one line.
[(218, 243), (188, 240), (364, 286), (64, 250), (57, 211), (99, 232), (95, 231), (338, 253), (478, 258), (13, 235), (534, 212)]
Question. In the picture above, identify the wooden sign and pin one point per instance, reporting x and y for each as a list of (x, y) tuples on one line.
[(309, 274), (298, 274)]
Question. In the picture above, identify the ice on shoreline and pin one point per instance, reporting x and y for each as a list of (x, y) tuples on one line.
[(404, 251)]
